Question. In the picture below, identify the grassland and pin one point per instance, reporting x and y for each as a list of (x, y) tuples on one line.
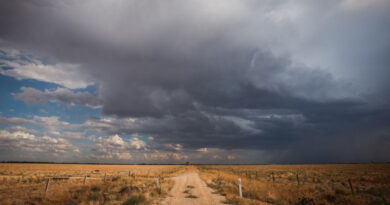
[(26, 183), (302, 184), (262, 184)]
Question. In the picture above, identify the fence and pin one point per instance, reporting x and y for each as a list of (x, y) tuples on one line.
[(273, 179), (85, 178)]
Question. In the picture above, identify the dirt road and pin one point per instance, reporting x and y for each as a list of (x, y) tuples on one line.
[(190, 189)]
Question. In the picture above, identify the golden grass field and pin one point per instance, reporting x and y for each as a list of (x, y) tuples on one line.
[(26, 183), (262, 184), (318, 184)]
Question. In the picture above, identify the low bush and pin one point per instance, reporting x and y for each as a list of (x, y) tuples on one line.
[(135, 200)]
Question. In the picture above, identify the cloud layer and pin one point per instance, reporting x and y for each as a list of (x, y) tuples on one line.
[(33, 96), (307, 78)]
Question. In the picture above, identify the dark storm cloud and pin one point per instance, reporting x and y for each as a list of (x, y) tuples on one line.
[(296, 76)]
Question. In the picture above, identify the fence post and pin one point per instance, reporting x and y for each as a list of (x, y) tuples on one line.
[(129, 173), (157, 181), (273, 177), (240, 187), (350, 185), (47, 185), (297, 178), (105, 175), (85, 179)]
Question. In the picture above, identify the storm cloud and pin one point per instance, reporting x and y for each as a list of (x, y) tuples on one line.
[(34, 96), (298, 80)]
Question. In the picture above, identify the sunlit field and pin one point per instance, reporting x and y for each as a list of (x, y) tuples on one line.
[(137, 184), (302, 184), (104, 184)]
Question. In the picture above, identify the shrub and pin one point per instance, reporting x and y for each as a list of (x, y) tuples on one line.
[(273, 201), (191, 196), (124, 189), (330, 198), (339, 191), (93, 196), (135, 200), (306, 201), (374, 191), (69, 203), (81, 190), (116, 178), (95, 188)]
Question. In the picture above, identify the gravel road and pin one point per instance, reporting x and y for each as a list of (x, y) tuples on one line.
[(190, 189)]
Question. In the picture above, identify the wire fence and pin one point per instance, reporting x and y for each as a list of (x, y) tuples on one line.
[(85, 179)]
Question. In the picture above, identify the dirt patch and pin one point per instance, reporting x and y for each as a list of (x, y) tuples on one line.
[(190, 189)]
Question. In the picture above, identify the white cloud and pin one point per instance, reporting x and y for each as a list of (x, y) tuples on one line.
[(204, 149), (164, 156), (231, 157), (114, 147), (22, 129), (15, 120), (123, 156), (19, 140), (216, 157), (110, 156), (175, 147), (110, 125), (137, 143), (73, 135), (99, 124), (178, 156), (156, 156), (27, 67), (50, 121), (115, 140), (53, 125)]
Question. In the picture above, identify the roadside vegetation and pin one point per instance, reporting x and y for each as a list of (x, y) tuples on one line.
[(26, 184), (137, 184), (301, 184)]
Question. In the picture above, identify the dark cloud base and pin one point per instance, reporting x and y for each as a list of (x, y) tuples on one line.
[(221, 81)]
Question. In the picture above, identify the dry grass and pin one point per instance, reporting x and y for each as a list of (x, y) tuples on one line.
[(262, 184), (25, 183), (318, 184)]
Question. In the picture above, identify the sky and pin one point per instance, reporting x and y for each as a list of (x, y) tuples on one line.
[(221, 81)]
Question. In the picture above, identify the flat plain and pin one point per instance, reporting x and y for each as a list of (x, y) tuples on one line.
[(83, 184), (195, 184), (302, 184)]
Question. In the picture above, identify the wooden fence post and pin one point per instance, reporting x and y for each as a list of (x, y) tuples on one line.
[(157, 181), (350, 186), (129, 173), (47, 185), (240, 187), (273, 177), (85, 179), (297, 178), (105, 175)]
